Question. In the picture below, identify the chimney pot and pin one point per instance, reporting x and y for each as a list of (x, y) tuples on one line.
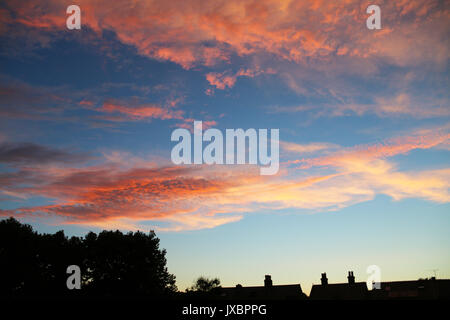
[(324, 279), (351, 277), (268, 281)]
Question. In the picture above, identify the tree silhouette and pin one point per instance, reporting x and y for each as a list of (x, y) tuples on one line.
[(204, 285), (124, 264), (111, 263)]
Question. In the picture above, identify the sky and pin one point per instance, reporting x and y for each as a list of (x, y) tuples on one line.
[(86, 117)]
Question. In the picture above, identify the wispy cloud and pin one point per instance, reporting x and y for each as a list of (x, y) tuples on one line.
[(306, 148), (227, 80), (192, 197), (139, 112), (389, 148)]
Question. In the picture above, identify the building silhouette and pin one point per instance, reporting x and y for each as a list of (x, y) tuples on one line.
[(422, 289), (339, 291), (266, 292)]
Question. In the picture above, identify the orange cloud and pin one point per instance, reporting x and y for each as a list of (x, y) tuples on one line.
[(86, 103), (222, 80), (197, 32), (390, 148), (104, 194), (192, 197), (141, 111), (306, 148)]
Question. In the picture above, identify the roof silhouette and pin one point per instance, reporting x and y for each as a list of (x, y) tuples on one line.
[(266, 292)]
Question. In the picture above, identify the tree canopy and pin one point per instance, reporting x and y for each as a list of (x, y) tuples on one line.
[(204, 285), (112, 263)]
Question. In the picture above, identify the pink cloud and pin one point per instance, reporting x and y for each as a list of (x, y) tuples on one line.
[(192, 32), (189, 124), (193, 197), (141, 112), (223, 80), (392, 147)]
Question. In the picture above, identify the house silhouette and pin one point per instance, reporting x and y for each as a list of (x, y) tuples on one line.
[(351, 290), (422, 289), (396, 290), (266, 292), (339, 291)]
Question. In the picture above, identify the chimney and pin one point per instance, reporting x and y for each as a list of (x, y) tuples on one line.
[(324, 279), (351, 277), (268, 281)]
